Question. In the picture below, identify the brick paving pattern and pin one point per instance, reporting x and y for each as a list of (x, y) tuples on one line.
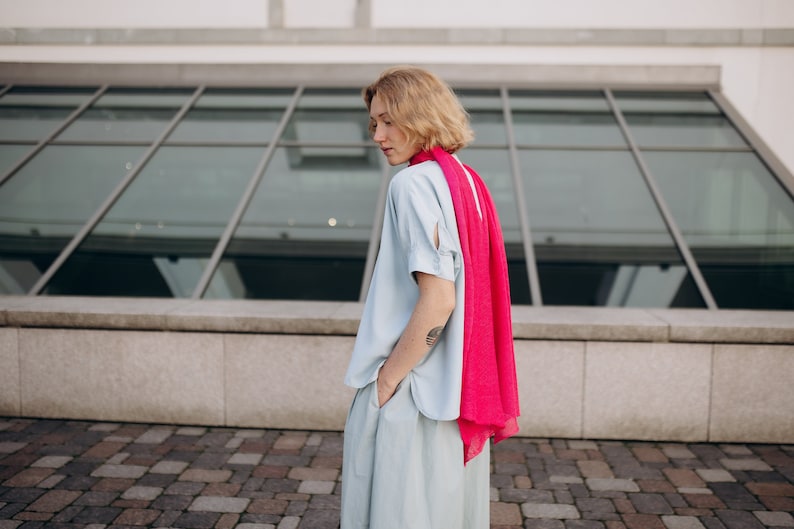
[(94, 475)]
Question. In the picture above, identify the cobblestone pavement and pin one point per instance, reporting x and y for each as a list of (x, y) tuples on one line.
[(70, 474)]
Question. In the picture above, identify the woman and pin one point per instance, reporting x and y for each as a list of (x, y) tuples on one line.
[(433, 359)]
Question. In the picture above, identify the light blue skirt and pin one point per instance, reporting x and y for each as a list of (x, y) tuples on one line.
[(401, 470)]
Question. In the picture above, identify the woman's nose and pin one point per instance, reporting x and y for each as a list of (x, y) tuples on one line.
[(378, 136)]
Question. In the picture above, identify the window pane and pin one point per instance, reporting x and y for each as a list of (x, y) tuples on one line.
[(156, 239), (306, 232), (560, 119), (47, 202), (677, 120), (487, 117), (126, 115), (599, 238), (9, 154), (738, 221), (234, 116), (328, 116), (31, 113)]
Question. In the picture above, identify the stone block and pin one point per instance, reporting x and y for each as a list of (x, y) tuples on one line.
[(9, 373), (647, 391), (753, 394), (550, 387), (283, 381), (122, 375)]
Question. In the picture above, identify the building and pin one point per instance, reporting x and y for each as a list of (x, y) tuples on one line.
[(194, 186)]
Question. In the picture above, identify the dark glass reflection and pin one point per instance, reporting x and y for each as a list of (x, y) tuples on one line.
[(563, 119), (29, 113), (738, 221), (306, 231), (487, 117), (677, 120), (130, 115), (599, 238), (233, 116), (331, 116), (156, 239), (47, 202)]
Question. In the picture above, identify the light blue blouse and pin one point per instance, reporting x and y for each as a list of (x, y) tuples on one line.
[(418, 199)]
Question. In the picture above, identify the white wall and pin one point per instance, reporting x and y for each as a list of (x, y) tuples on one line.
[(585, 13), (134, 14), (406, 13)]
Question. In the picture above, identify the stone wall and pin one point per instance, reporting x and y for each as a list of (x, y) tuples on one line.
[(678, 375)]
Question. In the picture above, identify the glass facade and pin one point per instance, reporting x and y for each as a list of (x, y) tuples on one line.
[(606, 198)]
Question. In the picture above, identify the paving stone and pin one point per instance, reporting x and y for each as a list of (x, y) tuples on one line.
[(54, 500), (52, 461), (714, 475), (316, 487), (549, 510), (142, 493), (169, 467), (683, 477), (735, 519), (319, 519), (650, 503), (678, 452), (594, 469), (137, 517), (219, 504), (505, 514), (96, 499), (642, 521), (154, 436), (245, 459), (289, 522), (11, 447), (612, 484), (120, 471), (682, 522), (102, 515), (771, 489), (205, 475), (775, 518), (191, 431), (196, 520), (745, 464)]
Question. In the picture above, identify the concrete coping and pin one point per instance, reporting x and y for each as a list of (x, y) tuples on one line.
[(342, 318)]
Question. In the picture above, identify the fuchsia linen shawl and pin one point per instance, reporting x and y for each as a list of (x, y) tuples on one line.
[(489, 395)]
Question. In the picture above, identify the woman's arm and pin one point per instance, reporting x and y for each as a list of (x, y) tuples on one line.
[(433, 308)]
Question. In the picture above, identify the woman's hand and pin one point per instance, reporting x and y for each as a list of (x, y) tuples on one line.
[(385, 390)]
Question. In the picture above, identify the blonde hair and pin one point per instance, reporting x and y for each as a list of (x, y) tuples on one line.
[(423, 107)]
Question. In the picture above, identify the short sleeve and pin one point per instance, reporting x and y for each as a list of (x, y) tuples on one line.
[(418, 211)]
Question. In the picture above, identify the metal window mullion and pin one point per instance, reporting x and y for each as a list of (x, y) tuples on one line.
[(5, 89), (523, 215), (661, 204), (248, 194), (44, 141), (114, 196), (374, 236)]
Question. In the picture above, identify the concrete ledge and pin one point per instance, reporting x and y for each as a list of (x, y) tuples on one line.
[(341, 318), (433, 36), (71, 72), (584, 372)]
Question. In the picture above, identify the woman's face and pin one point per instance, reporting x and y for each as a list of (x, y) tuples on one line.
[(388, 136)]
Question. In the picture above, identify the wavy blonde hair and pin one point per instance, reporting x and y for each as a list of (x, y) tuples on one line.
[(423, 107)]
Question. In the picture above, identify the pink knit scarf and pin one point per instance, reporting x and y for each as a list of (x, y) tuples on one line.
[(489, 396)]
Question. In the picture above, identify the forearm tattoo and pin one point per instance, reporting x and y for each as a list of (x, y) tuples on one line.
[(432, 336)]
